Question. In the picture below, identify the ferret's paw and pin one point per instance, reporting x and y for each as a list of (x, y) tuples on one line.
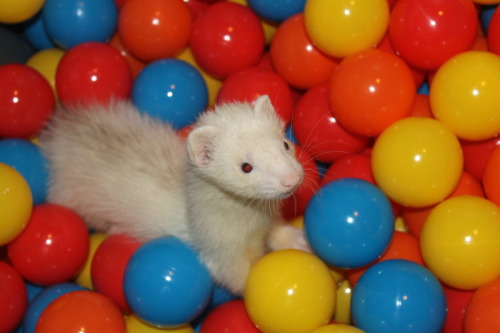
[(287, 236)]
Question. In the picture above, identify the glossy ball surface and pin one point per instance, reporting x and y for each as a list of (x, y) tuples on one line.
[(349, 223), (13, 11), (13, 297)]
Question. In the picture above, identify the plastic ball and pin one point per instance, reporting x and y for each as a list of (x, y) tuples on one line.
[(296, 58), (93, 72), (250, 83), (398, 296), (84, 277), (464, 95), (337, 328), (16, 203), (26, 101), (42, 300), (14, 11), (493, 31), (456, 302), (276, 11), (402, 246), (108, 267), (370, 90), (46, 62), (481, 314), (72, 22), (318, 131), (213, 84), (417, 161), (341, 28), (136, 65), (491, 177), (35, 33), (135, 325), (230, 317), (81, 311), (476, 155), (154, 29), (290, 291), (226, 37), (171, 90), (13, 297), (459, 241), (343, 304), (166, 284), (296, 204), (28, 159), (429, 32), (52, 248), (350, 166), (349, 223)]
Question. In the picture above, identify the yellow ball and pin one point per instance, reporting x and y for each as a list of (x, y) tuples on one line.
[(16, 11), (290, 291), (342, 27), (337, 328), (464, 95), (417, 161), (46, 62), (135, 325), (84, 278), (343, 305), (460, 241), (16, 203)]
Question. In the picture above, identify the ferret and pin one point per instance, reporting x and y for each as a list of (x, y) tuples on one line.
[(218, 190)]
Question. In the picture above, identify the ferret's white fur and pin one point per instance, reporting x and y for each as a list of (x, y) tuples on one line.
[(124, 172)]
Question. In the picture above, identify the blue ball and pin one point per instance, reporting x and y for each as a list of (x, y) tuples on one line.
[(165, 283), (170, 90), (276, 10), (485, 15), (349, 223), (42, 300), (72, 22), (28, 160), (36, 34), (398, 296)]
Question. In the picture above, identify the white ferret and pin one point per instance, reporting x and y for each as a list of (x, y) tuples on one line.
[(124, 172)]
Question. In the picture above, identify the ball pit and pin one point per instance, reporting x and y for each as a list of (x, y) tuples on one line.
[(415, 119)]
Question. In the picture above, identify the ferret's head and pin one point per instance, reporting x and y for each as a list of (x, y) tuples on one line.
[(243, 150)]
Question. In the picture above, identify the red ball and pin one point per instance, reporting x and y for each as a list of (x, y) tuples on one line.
[(350, 166), (476, 155), (230, 317), (227, 37), (93, 72), (250, 83), (154, 29), (370, 90), (108, 267), (317, 130), (81, 311), (493, 36), (456, 302), (296, 204), (426, 33), (52, 248), (26, 101), (483, 310), (491, 177), (13, 298), (296, 58)]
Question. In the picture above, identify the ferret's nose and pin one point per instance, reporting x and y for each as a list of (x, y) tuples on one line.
[(291, 180)]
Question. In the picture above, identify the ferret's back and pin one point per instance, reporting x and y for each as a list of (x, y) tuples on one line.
[(120, 170)]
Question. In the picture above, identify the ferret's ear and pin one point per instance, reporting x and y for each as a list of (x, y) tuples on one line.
[(263, 104), (200, 145)]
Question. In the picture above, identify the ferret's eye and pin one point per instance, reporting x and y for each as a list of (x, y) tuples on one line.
[(246, 167), (287, 146)]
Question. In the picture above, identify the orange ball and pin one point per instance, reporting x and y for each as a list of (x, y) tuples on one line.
[(81, 311), (296, 58), (483, 310), (491, 176), (154, 29), (370, 90)]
